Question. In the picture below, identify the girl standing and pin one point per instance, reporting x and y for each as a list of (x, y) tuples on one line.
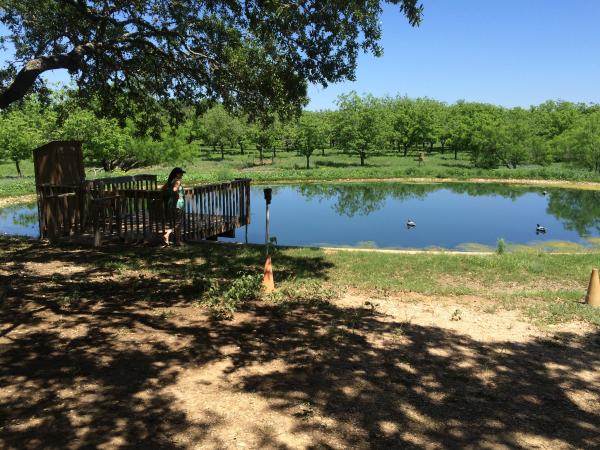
[(175, 204)]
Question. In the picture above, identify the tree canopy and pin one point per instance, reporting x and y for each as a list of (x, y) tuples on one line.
[(141, 55)]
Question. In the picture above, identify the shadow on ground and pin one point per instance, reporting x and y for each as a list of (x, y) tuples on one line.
[(91, 373)]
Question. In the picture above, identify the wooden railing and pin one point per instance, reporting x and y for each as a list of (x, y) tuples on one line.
[(138, 182), (133, 207), (210, 210)]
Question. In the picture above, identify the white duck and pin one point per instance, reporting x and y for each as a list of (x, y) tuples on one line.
[(410, 224)]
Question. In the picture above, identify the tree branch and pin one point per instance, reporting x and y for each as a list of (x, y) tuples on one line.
[(32, 69)]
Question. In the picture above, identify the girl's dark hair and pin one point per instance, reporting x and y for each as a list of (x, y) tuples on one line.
[(176, 171)]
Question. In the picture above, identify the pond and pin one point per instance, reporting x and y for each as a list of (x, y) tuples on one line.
[(463, 216)]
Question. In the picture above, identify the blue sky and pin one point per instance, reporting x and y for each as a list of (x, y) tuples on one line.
[(506, 52)]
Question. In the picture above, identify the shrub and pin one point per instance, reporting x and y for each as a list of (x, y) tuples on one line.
[(227, 300), (501, 247)]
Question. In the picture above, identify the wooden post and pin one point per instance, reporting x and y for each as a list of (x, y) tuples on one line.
[(268, 193), (268, 282)]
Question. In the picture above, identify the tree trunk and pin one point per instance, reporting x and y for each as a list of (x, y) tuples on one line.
[(18, 167), (273, 153), (308, 161), (323, 151), (456, 153), (430, 147), (241, 148), (260, 152), (362, 158), (405, 150), (442, 141), (222, 153)]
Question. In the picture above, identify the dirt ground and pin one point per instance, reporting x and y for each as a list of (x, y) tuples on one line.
[(91, 358)]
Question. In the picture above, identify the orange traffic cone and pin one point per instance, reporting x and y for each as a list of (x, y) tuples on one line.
[(593, 293), (268, 283)]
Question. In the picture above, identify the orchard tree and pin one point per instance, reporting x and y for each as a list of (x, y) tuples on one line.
[(444, 130), (404, 128), (312, 134), (264, 136), (23, 127), (104, 141), (520, 139), (469, 123), (289, 135), (429, 118), (552, 118), (136, 56), (328, 122), (240, 135), (218, 128), (488, 136), (424, 121), (360, 127), (581, 144)]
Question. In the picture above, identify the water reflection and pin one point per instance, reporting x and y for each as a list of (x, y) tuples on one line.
[(447, 215), (578, 210), (19, 220), (363, 199)]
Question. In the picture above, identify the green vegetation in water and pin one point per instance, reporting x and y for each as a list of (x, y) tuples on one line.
[(474, 247)]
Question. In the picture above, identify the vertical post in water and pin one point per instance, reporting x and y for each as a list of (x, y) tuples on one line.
[(267, 230), (268, 192)]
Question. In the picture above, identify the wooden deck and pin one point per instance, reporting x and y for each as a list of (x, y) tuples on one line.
[(133, 208)]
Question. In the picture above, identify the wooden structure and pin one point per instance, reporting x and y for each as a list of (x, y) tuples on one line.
[(128, 207)]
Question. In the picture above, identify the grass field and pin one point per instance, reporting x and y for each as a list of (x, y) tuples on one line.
[(289, 167)]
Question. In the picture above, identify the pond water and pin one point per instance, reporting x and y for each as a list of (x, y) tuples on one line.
[(452, 216), (20, 220)]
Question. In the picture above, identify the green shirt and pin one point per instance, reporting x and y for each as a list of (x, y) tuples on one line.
[(176, 199)]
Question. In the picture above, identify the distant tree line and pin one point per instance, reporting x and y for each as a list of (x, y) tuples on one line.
[(363, 126)]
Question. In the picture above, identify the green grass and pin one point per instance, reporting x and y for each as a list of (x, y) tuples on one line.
[(289, 167), (547, 288)]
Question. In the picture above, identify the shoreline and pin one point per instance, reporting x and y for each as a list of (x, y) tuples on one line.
[(563, 184), (16, 200)]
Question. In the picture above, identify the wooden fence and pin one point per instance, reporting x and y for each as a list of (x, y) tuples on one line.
[(133, 207)]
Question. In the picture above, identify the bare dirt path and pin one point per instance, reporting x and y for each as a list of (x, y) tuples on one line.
[(94, 357)]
